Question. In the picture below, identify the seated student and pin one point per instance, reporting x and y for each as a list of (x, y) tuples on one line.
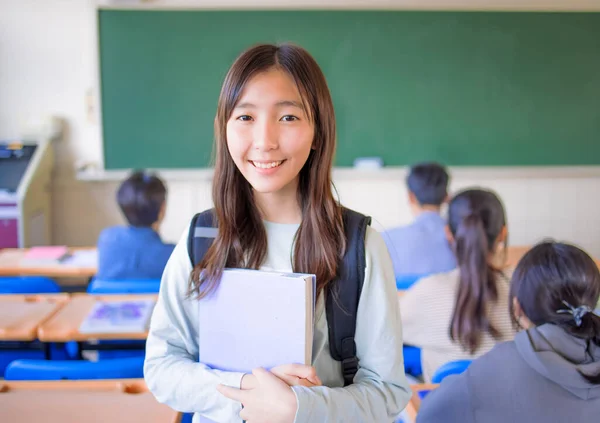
[(463, 313), (551, 371), (136, 251), (422, 248)]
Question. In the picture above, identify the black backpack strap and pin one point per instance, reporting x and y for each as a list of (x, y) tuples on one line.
[(343, 295), (202, 232)]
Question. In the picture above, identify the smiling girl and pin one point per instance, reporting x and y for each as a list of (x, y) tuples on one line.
[(274, 207)]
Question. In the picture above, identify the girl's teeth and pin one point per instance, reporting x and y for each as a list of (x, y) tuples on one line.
[(267, 165)]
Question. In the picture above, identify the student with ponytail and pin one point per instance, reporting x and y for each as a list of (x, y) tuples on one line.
[(551, 371), (463, 313)]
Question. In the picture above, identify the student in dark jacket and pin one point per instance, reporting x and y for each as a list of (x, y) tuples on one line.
[(136, 251), (550, 373)]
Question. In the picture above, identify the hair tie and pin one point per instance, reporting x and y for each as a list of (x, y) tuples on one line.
[(577, 312), (146, 177)]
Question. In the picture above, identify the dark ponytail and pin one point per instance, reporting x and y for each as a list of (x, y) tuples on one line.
[(552, 283), (476, 219)]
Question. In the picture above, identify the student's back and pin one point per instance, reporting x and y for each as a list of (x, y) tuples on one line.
[(525, 380), (550, 373), (127, 252), (136, 251), (422, 248), (426, 310)]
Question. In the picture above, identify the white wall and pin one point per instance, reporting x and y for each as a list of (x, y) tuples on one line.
[(48, 66)]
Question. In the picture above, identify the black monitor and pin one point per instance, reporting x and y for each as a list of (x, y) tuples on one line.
[(13, 165)]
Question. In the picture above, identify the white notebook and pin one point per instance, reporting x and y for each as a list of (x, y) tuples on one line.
[(118, 317), (257, 319)]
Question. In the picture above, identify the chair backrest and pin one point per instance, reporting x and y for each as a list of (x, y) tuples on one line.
[(412, 360), (451, 368), (406, 281), (412, 355), (118, 368), (128, 286), (28, 285)]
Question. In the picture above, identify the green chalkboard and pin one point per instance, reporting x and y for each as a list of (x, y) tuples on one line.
[(464, 88)]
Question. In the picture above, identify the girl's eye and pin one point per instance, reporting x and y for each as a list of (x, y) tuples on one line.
[(289, 118), (244, 118)]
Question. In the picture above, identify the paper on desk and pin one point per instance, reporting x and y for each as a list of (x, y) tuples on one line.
[(82, 258)]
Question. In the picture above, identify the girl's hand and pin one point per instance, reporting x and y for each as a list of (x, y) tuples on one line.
[(297, 375), (292, 374), (271, 400)]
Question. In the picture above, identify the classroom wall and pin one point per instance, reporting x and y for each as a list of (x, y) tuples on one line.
[(48, 66)]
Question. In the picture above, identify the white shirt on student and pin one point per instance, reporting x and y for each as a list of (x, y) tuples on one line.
[(380, 390)]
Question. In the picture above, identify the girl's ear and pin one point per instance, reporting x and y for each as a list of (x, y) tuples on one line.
[(516, 308), (449, 235), (500, 249), (502, 236), (520, 317)]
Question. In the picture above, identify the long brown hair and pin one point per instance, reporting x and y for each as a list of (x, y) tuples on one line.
[(476, 219), (242, 240)]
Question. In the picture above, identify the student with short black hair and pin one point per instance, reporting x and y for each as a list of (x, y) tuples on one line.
[(136, 251), (463, 313), (421, 248), (551, 371)]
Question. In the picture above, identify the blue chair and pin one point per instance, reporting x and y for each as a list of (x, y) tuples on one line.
[(412, 360), (406, 281), (121, 368), (423, 394), (7, 357), (16, 350), (128, 286), (451, 368), (28, 285)]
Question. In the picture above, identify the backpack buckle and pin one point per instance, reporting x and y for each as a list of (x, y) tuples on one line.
[(349, 368)]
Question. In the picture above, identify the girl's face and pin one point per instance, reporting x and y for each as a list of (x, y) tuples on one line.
[(269, 134)]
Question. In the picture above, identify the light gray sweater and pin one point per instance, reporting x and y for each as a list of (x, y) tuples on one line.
[(534, 378), (176, 376)]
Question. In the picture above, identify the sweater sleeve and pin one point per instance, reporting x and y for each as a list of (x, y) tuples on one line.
[(171, 368)]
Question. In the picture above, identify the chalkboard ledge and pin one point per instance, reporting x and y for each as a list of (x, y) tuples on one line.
[(392, 172)]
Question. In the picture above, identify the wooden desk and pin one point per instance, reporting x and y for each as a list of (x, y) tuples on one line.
[(21, 315), (515, 254), (10, 265), (64, 325), (415, 401), (65, 401)]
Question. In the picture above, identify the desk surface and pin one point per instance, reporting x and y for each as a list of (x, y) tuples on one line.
[(10, 259), (115, 401), (414, 404), (10, 265), (515, 253), (21, 315), (64, 325)]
